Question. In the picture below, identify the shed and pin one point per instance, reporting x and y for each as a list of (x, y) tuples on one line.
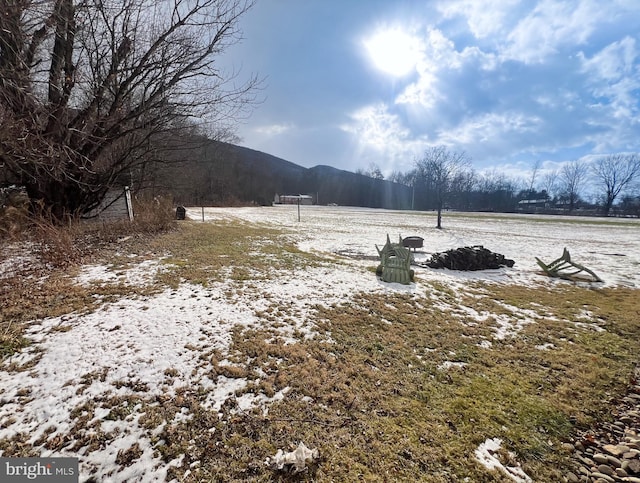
[(115, 206)]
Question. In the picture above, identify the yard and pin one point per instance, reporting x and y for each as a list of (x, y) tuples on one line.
[(198, 354)]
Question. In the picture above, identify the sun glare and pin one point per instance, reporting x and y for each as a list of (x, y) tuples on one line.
[(393, 51)]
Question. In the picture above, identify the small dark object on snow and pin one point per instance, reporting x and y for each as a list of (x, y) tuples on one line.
[(181, 213), (469, 258), (413, 242)]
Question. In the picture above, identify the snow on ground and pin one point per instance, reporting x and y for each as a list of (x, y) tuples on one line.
[(486, 455), (608, 246), (143, 274), (151, 345), (15, 259)]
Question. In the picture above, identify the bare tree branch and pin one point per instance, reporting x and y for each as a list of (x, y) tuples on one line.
[(614, 173), (117, 73), (572, 177)]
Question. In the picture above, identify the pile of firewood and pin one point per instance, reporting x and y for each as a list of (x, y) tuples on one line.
[(469, 258)]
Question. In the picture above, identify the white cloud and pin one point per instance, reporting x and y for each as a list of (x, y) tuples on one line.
[(613, 79), (562, 99), (273, 129), (376, 127), (491, 128), (437, 53), (613, 62), (485, 18), (551, 25), (439, 57), (381, 137)]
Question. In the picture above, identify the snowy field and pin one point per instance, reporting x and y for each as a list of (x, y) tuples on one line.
[(150, 346), (608, 246)]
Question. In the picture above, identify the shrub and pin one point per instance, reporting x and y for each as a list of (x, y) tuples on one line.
[(153, 215), (14, 212)]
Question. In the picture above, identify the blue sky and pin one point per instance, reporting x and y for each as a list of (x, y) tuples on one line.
[(351, 83)]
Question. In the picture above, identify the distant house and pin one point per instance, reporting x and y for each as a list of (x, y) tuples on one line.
[(292, 199), (532, 205)]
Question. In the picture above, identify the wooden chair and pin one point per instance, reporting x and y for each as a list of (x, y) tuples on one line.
[(565, 268), (395, 263)]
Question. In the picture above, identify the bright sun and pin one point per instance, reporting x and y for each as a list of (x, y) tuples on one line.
[(393, 51)]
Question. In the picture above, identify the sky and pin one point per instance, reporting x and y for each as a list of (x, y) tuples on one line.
[(357, 83)]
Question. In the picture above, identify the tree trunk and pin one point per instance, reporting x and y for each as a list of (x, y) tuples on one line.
[(68, 142)]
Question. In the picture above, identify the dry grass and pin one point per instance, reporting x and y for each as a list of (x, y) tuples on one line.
[(40, 287), (369, 389), (368, 392), (202, 253), (375, 403)]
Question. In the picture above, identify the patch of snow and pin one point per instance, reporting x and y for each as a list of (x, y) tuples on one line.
[(544, 347), (596, 243), (251, 400), (486, 455), (446, 365), (588, 326), (138, 275), (16, 257)]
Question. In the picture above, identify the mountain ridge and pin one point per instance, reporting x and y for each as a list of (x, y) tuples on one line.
[(260, 175)]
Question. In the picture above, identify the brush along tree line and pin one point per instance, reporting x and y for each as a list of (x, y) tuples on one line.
[(91, 90), (442, 177)]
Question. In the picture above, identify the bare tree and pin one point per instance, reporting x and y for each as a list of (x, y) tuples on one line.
[(439, 167), (373, 171), (572, 178), (497, 191), (462, 186), (89, 89), (550, 182), (535, 169), (614, 173), (397, 177)]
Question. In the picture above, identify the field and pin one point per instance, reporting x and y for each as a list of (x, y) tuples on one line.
[(198, 354)]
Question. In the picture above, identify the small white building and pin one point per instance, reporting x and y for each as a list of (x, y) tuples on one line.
[(292, 199), (532, 205)]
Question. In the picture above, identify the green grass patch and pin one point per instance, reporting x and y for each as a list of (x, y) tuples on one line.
[(206, 252)]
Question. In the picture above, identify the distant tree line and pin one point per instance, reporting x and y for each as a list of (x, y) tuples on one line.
[(210, 173), (443, 179), (213, 173)]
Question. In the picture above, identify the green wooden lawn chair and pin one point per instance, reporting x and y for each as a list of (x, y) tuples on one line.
[(565, 268), (395, 263)]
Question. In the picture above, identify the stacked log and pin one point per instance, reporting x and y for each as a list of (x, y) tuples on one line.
[(469, 258)]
